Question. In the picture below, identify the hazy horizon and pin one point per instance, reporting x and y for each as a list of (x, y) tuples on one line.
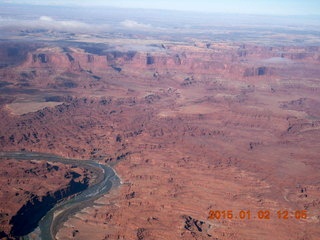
[(262, 7), (19, 20)]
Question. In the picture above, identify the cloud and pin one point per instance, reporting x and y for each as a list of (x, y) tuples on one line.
[(135, 25), (49, 23), (46, 18)]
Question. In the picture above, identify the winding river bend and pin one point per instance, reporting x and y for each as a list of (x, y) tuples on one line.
[(49, 225)]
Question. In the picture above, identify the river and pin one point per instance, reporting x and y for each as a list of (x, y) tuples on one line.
[(49, 225)]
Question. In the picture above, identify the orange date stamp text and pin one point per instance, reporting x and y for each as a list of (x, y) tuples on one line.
[(259, 215)]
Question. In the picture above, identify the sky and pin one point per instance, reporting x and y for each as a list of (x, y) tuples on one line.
[(264, 7)]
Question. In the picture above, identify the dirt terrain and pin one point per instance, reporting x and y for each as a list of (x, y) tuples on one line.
[(189, 127)]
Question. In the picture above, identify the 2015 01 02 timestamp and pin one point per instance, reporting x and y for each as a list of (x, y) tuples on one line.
[(259, 215)]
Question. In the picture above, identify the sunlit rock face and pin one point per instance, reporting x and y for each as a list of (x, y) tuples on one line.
[(189, 128)]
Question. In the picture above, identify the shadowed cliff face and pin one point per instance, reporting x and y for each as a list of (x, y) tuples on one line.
[(28, 216), (33, 188), (15, 53)]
